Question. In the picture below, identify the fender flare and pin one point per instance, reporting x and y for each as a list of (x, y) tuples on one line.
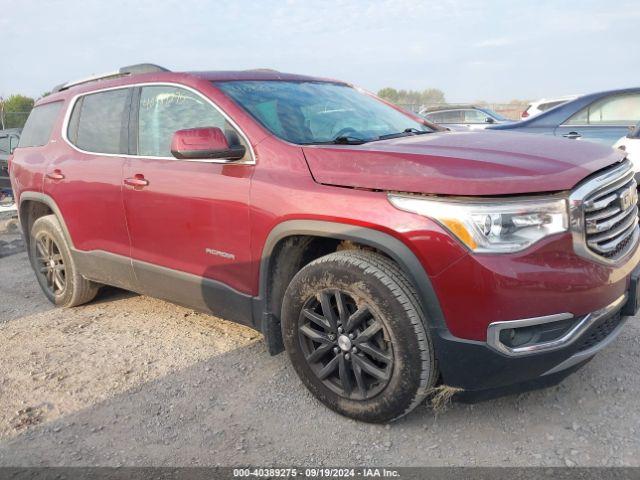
[(384, 242), (49, 202)]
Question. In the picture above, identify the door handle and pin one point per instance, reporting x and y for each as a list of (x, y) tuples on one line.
[(137, 181), (572, 135), (55, 175)]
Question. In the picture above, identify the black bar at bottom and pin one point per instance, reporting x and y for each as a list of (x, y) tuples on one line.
[(321, 473)]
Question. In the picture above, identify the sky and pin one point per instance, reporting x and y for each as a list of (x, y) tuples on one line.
[(493, 50)]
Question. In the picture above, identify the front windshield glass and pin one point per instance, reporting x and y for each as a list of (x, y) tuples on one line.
[(319, 112), (636, 132)]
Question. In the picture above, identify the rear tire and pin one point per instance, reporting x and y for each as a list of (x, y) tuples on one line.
[(54, 267), (358, 299)]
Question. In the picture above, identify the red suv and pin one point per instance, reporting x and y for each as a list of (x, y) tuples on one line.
[(386, 255)]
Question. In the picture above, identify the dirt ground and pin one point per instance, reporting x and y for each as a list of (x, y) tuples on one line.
[(130, 380)]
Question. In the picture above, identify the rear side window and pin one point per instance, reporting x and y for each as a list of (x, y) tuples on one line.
[(614, 110), (37, 129), (449, 116), (100, 121)]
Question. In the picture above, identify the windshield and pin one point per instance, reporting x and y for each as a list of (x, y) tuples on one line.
[(636, 132), (320, 112)]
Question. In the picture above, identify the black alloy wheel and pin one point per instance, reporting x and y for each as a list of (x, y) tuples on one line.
[(345, 345), (50, 264), (355, 332), (55, 267)]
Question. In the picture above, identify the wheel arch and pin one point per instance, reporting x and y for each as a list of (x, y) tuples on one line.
[(34, 205), (268, 320)]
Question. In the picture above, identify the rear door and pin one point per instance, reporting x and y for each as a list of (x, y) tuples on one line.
[(188, 220), (85, 180), (604, 121)]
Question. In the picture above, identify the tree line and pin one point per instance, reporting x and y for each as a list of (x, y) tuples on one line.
[(429, 96), (14, 111)]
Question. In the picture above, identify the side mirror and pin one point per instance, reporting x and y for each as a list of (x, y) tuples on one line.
[(490, 120), (206, 143)]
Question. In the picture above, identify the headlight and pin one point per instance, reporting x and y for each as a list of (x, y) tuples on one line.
[(492, 226)]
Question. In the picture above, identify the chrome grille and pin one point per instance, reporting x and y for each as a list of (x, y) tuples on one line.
[(609, 213)]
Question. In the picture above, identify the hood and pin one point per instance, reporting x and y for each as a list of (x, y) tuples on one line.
[(461, 163)]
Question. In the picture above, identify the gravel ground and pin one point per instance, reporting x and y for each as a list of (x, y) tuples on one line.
[(130, 380)]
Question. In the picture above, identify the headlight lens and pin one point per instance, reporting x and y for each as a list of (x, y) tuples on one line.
[(492, 226)]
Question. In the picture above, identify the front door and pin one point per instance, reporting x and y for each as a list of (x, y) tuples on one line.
[(188, 220)]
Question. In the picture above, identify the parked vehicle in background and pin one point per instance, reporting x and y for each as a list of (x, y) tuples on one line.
[(9, 139), (599, 117), (544, 104), (631, 145), (462, 115), (385, 255)]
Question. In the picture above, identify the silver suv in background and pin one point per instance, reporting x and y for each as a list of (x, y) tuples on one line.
[(468, 116)]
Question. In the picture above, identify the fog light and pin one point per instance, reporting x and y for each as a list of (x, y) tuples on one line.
[(516, 337), (534, 334)]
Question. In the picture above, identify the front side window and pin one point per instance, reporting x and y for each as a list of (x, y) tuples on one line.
[(39, 125), (167, 109), (99, 122), (475, 116), (318, 112), (614, 110)]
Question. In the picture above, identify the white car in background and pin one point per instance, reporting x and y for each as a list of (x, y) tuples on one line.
[(631, 145), (544, 104)]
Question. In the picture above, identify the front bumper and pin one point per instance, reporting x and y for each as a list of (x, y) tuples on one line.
[(478, 290), (484, 372)]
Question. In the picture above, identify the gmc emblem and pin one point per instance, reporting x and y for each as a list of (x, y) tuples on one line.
[(628, 197)]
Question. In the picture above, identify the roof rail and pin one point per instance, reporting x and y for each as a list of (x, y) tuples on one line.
[(142, 68), (128, 70)]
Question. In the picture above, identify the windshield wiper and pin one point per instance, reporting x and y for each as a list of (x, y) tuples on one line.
[(349, 140), (405, 133), (415, 131), (341, 140)]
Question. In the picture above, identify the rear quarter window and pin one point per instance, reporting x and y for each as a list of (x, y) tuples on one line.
[(37, 129)]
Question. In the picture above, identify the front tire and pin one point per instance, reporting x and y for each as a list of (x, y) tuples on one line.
[(355, 333), (54, 267)]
